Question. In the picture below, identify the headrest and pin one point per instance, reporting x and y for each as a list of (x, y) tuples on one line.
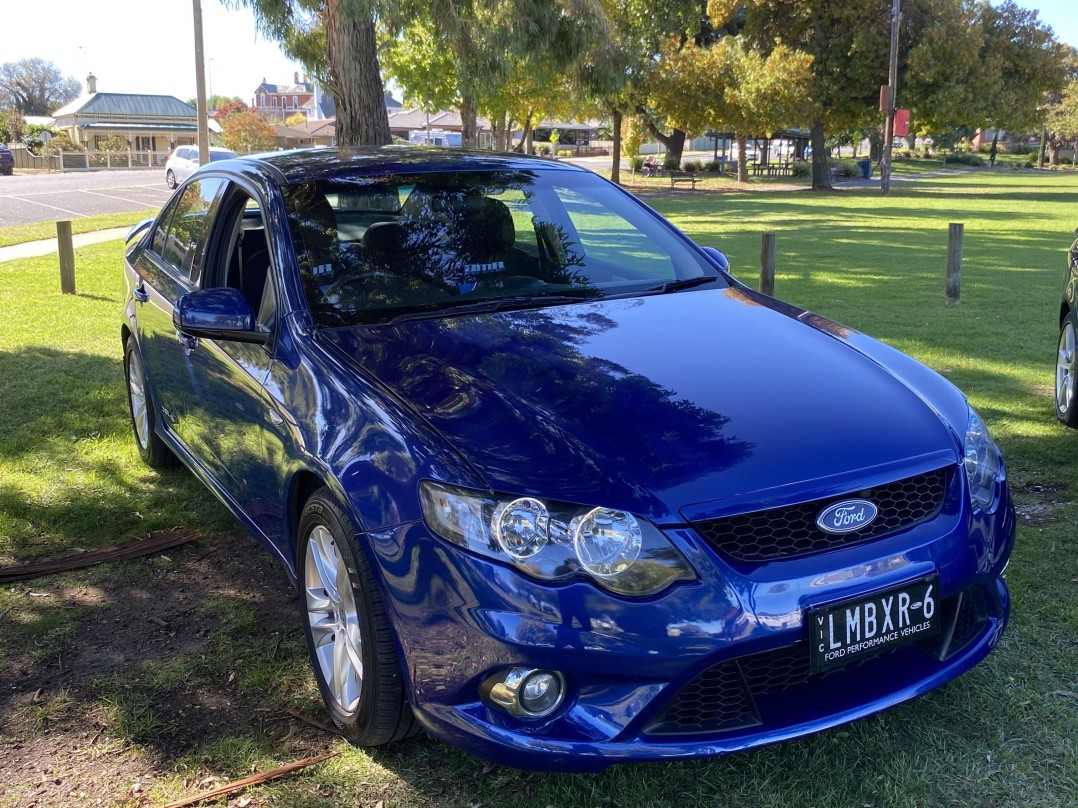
[(315, 224), (383, 241)]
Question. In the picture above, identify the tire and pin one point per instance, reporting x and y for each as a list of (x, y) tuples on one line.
[(347, 630), (151, 448), (170, 179), (1067, 371)]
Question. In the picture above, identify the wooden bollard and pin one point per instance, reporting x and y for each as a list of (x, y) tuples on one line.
[(767, 264), (954, 263), (66, 250)]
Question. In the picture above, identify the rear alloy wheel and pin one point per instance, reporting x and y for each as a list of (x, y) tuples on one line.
[(170, 179), (1067, 373), (348, 633), (151, 448)]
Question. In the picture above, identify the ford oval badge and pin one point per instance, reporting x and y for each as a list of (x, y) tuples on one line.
[(847, 516)]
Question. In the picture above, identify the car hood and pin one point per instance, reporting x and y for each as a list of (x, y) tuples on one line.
[(687, 402)]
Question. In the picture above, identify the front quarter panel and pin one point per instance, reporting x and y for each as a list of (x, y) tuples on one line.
[(335, 423)]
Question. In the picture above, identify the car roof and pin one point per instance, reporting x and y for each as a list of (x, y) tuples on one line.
[(304, 165)]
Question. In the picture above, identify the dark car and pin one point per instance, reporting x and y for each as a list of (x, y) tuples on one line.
[(1067, 351), (7, 160), (551, 483)]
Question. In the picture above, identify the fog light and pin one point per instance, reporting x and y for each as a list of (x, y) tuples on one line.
[(524, 692), (541, 693)]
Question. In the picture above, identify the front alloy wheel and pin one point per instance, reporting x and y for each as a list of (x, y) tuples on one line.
[(1067, 373), (348, 634), (151, 448)]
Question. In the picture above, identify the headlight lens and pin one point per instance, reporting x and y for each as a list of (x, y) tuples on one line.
[(555, 541), (981, 461), (607, 542), (522, 527)]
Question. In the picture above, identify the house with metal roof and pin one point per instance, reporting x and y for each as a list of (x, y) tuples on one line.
[(152, 123)]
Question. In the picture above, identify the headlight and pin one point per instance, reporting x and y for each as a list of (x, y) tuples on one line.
[(981, 461), (555, 541)]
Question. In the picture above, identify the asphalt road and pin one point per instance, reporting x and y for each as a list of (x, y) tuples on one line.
[(28, 198)]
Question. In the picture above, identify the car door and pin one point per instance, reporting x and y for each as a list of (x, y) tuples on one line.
[(167, 270), (228, 407)]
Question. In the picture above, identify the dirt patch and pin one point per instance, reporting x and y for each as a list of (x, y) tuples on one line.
[(113, 674), (1037, 505)]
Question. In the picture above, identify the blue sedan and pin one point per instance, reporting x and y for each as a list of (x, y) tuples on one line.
[(552, 484)]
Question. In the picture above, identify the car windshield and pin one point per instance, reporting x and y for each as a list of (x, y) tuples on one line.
[(371, 250)]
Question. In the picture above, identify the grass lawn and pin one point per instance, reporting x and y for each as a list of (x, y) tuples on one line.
[(20, 233), (158, 675)]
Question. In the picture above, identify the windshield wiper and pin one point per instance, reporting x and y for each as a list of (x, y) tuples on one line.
[(489, 305), (683, 283)]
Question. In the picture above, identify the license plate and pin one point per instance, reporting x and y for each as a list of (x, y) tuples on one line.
[(858, 628)]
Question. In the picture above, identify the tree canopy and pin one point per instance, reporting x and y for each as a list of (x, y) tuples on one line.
[(678, 66), (245, 131), (35, 87)]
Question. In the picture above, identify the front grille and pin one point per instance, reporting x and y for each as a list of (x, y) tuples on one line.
[(715, 701), (723, 697), (791, 531), (969, 616)]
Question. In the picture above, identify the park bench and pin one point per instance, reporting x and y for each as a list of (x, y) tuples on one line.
[(682, 176), (779, 169)]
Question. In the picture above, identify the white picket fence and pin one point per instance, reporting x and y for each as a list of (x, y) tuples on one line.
[(90, 160)]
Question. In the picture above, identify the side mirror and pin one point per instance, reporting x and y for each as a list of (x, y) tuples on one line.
[(138, 230), (218, 314), (719, 257)]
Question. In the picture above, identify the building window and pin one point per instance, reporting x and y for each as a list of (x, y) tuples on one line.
[(262, 100), (295, 102)]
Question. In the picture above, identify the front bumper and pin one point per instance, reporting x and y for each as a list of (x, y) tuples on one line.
[(630, 665)]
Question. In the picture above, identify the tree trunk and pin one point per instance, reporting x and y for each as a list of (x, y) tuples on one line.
[(529, 133), (497, 132), (674, 143), (354, 76), (507, 136), (821, 176), (1053, 152), (742, 155), (615, 168), (469, 125)]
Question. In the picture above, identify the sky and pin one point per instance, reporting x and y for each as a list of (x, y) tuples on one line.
[(147, 46)]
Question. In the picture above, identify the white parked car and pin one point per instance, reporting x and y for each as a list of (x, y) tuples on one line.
[(184, 160)]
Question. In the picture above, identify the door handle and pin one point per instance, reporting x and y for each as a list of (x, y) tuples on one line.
[(189, 343), (141, 295)]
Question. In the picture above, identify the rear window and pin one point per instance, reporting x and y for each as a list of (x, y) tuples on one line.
[(221, 155), (370, 249)]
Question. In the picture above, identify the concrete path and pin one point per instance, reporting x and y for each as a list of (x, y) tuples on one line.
[(32, 249)]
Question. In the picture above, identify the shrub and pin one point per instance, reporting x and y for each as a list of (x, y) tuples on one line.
[(963, 159), (542, 149), (713, 165), (565, 152), (636, 162), (692, 166), (802, 168), (846, 168), (1016, 148)]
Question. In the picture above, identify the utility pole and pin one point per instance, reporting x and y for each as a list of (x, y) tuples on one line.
[(892, 88), (200, 89)]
